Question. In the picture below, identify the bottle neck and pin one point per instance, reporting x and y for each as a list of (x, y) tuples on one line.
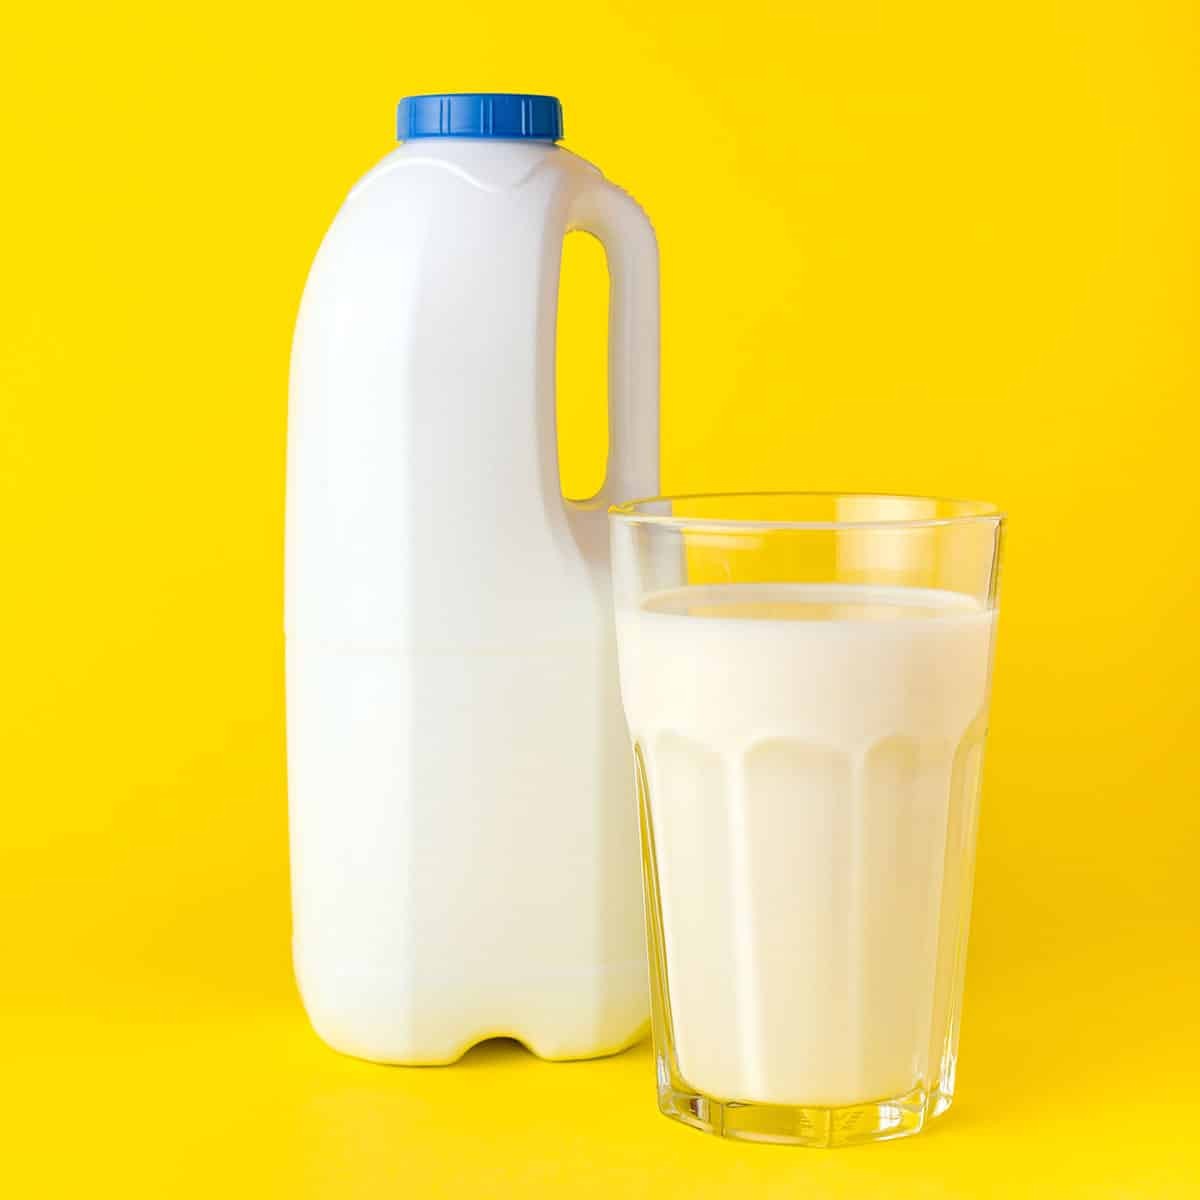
[(430, 143)]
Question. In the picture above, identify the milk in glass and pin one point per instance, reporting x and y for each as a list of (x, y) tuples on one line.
[(811, 759)]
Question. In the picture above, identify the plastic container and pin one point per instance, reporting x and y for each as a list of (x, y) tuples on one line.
[(463, 825)]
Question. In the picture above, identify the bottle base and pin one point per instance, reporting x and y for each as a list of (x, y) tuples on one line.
[(443, 1057), (391, 1017)]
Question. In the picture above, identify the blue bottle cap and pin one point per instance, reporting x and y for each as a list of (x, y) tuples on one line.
[(480, 115)]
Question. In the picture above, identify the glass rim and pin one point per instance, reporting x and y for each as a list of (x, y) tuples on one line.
[(973, 512)]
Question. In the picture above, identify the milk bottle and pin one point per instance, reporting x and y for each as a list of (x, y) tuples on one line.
[(463, 829)]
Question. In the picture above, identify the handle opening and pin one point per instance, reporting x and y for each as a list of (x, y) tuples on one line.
[(581, 367)]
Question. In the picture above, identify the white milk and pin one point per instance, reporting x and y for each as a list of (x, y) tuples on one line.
[(812, 757)]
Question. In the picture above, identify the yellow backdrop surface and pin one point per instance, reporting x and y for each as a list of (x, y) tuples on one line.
[(914, 246)]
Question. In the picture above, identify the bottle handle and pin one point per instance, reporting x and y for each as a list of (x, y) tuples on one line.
[(615, 218)]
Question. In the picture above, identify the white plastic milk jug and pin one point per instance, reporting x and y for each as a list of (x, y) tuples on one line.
[(463, 830)]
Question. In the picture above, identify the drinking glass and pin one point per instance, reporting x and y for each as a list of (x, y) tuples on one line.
[(806, 679)]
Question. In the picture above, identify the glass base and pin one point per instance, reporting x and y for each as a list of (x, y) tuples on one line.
[(804, 1125)]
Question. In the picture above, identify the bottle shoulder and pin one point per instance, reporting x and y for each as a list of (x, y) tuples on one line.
[(490, 166)]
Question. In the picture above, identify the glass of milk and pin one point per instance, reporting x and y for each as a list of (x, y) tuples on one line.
[(806, 679)]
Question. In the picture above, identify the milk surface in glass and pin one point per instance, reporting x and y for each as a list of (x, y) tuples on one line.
[(811, 755)]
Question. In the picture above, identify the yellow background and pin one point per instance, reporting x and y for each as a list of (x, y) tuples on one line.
[(913, 246)]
